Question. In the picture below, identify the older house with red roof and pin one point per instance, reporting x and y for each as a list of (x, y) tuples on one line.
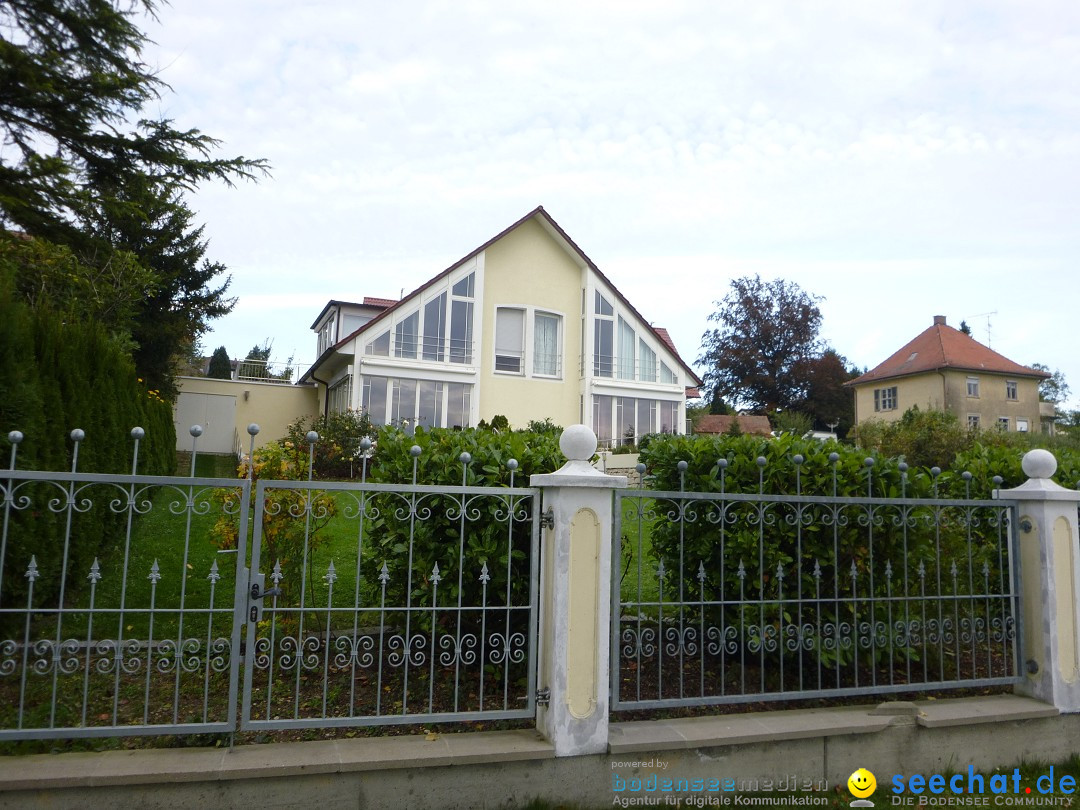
[(943, 369), (525, 326)]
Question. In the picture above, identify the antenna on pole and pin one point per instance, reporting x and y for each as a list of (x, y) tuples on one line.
[(988, 325)]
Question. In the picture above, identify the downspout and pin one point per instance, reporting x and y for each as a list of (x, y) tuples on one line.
[(945, 393)]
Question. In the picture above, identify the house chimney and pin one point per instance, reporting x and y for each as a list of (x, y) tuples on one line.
[(939, 320)]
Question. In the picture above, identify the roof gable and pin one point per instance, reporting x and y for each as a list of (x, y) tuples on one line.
[(942, 347), (560, 237)]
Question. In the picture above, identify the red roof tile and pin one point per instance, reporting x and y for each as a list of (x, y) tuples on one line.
[(378, 302), (942, 347), (662, 333), (718, 423)]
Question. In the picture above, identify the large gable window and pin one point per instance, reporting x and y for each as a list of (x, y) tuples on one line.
[(603, 336), (667, 376), (434, 328), (380, 346), (461, 320), (626, 350), (646, 362), (406, 335)]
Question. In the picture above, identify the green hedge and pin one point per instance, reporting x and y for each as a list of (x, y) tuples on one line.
[(56, 376), (799, 538), (437, 536)]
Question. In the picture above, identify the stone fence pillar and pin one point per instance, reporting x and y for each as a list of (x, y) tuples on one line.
[(1048, 546), (575, 601)]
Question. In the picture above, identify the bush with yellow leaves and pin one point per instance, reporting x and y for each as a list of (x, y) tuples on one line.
[(292, 519)]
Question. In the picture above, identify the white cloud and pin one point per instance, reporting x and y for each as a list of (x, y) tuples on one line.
[(903, 160)]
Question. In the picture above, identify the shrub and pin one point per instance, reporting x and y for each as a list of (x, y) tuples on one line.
[(285, 533), (496, 531), (746, 546), (922, 438), (56, 376), (337, 452)]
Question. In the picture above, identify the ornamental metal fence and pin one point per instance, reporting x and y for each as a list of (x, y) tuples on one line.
[(134, 604), (723, 597)]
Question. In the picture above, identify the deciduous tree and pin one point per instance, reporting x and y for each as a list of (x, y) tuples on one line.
[(825, 398), (1053, 388), (766, 332)]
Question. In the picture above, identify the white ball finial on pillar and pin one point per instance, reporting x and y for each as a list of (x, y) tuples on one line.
[(578, 443), (1039, 463)]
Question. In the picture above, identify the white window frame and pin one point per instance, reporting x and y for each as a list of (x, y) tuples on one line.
[(408, 413), (504, 332), (1012, 390), (626, 339), (974, 421), (327, 336), (370, 348), (536, 314), (403, 349), (973, 387), (1022, 426), (1003, 423), (886, 399), (529, 355), (647, 371), (599, 320), (339, 395)]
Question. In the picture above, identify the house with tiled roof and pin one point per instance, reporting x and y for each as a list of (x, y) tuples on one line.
[(943, 369), (526, 326)]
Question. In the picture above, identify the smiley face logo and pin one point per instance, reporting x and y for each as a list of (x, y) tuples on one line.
[(862, 783)]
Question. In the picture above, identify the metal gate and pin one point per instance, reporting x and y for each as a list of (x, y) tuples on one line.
[(352, 604), (427, 614)]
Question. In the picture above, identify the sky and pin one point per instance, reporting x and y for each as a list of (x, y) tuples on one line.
[(900, 160)]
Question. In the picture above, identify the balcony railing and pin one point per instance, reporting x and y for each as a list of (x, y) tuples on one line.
[(269, 371)]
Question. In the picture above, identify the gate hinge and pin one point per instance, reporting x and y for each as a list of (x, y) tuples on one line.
[(547, 519), (543, 696)]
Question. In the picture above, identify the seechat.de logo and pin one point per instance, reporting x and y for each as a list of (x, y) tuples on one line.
[(862, 785)]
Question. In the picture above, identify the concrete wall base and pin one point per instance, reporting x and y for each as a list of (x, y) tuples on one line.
[(507, 769)]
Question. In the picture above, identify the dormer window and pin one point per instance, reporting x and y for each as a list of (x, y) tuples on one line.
[(328, 334)]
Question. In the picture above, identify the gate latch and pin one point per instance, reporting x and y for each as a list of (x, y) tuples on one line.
[(547, 519), (258, 582)]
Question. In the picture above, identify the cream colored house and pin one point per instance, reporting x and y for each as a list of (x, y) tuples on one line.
[(525, 326), (943, 369)]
